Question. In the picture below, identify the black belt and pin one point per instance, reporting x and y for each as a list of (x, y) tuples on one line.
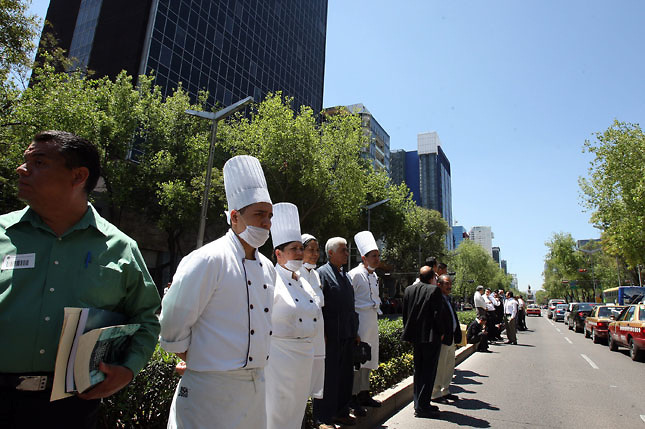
[(27, 382)]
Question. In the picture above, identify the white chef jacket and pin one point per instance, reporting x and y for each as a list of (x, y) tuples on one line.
[(219, 308), (365, 289), (313, 278), (368, 306), (510, 307), (295, 312)]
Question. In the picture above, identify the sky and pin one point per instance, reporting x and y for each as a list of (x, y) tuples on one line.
[(513, 88)]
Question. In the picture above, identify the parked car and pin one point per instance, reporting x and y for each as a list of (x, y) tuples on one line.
[(628, 330), (551, 306), (558, 313), (533, 309), (567, 313), (579, 313), (597, 323)]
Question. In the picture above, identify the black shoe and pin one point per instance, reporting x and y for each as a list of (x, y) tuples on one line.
[(485, 351), (426, 413), (356, 408), (370, 402), (431, 407)]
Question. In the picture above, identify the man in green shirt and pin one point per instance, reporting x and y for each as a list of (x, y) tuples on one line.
[(59, 252)]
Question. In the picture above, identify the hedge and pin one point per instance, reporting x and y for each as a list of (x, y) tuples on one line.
[(145, 402)]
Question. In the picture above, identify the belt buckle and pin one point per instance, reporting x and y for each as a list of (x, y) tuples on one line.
[(32, 383)]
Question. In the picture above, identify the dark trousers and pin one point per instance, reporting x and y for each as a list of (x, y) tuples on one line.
[(426, 359), (491, 324), (521, 320), (480, 341), (20, 409), (339, 377)]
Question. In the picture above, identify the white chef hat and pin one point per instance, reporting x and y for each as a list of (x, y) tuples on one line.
[(307, 237), (244, 182), (365, 242), (285, 224)]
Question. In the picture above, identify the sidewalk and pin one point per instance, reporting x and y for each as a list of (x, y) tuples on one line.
[(397, 397)]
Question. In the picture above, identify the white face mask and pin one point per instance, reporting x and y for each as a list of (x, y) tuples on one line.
[(309, 266), (370, 268), (254, 236), (293, 265)]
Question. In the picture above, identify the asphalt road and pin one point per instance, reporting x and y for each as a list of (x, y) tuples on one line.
[(553, 378)]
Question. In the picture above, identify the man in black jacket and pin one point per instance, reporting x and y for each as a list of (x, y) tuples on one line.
[(341, 333), (451, 337), (476, 334), (422, 303)]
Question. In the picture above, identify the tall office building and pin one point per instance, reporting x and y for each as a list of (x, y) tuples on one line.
[(459, 234), (496, 254), (503, 266), (233, 49), (483, 236), (377, 151), (426, 172)]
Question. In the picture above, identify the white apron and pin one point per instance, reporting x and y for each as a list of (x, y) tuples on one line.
[(288, 382), (219, 400), (368, 331)]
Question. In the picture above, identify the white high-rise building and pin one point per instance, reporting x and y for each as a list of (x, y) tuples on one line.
[(483, 236), (514, 283)]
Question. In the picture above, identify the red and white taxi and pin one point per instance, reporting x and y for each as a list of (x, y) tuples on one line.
[(597, 323), (628, 330)]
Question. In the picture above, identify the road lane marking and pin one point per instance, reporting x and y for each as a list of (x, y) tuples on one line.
[(558, 329), (643, 417), (568, 340), (589, 361)]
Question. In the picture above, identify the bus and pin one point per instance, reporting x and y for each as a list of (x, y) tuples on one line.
[(623, 295)]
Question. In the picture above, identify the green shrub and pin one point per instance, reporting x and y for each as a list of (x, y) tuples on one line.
[(390, 344), (393, 371), (145, 402), (466, 317)]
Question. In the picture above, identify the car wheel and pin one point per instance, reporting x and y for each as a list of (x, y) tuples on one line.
[(594, 337), (634, 352), (587, 334), (612, 344)]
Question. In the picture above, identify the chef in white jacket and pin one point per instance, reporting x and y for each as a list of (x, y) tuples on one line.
[(217, 314), (309, 273), (294, 320), (368, 306)]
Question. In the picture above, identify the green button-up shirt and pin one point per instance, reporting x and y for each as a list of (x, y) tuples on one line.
[(92, 265)]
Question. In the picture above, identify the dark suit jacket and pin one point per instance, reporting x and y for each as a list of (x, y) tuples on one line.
[(449, 336), (421, 308), (474, 329), (341, 320)]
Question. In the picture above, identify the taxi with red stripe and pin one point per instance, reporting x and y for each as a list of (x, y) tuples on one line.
[(597, 323), (628, 330)]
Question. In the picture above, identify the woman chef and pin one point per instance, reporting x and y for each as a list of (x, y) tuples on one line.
[(309, 273), (294, 320)]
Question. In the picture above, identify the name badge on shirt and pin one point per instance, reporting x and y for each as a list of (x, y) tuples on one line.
[(15, 262)]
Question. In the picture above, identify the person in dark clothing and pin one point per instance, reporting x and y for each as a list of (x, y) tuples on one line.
[(422, 303), (476, 334), (341, 333)]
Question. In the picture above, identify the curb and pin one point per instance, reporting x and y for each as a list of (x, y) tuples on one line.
[(400, 395)]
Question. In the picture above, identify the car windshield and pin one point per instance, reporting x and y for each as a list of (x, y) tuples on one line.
[(562, 306), (585, 307), (641, 315)]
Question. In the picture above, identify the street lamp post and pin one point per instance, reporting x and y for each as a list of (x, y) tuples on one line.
[(215, 117), (370, 207)]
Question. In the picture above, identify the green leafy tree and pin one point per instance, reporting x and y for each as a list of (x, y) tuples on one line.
[(615, 190), (474, 266), (18, 31)]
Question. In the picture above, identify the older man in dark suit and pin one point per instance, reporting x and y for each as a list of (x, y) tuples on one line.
[(451, 337), (341, 333), (422, 303)]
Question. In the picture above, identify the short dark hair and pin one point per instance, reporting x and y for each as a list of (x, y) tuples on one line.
[(510, 294), (442, 266), (431, 261), (77, 152)]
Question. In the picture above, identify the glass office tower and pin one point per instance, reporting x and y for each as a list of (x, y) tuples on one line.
[(232, 48)]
